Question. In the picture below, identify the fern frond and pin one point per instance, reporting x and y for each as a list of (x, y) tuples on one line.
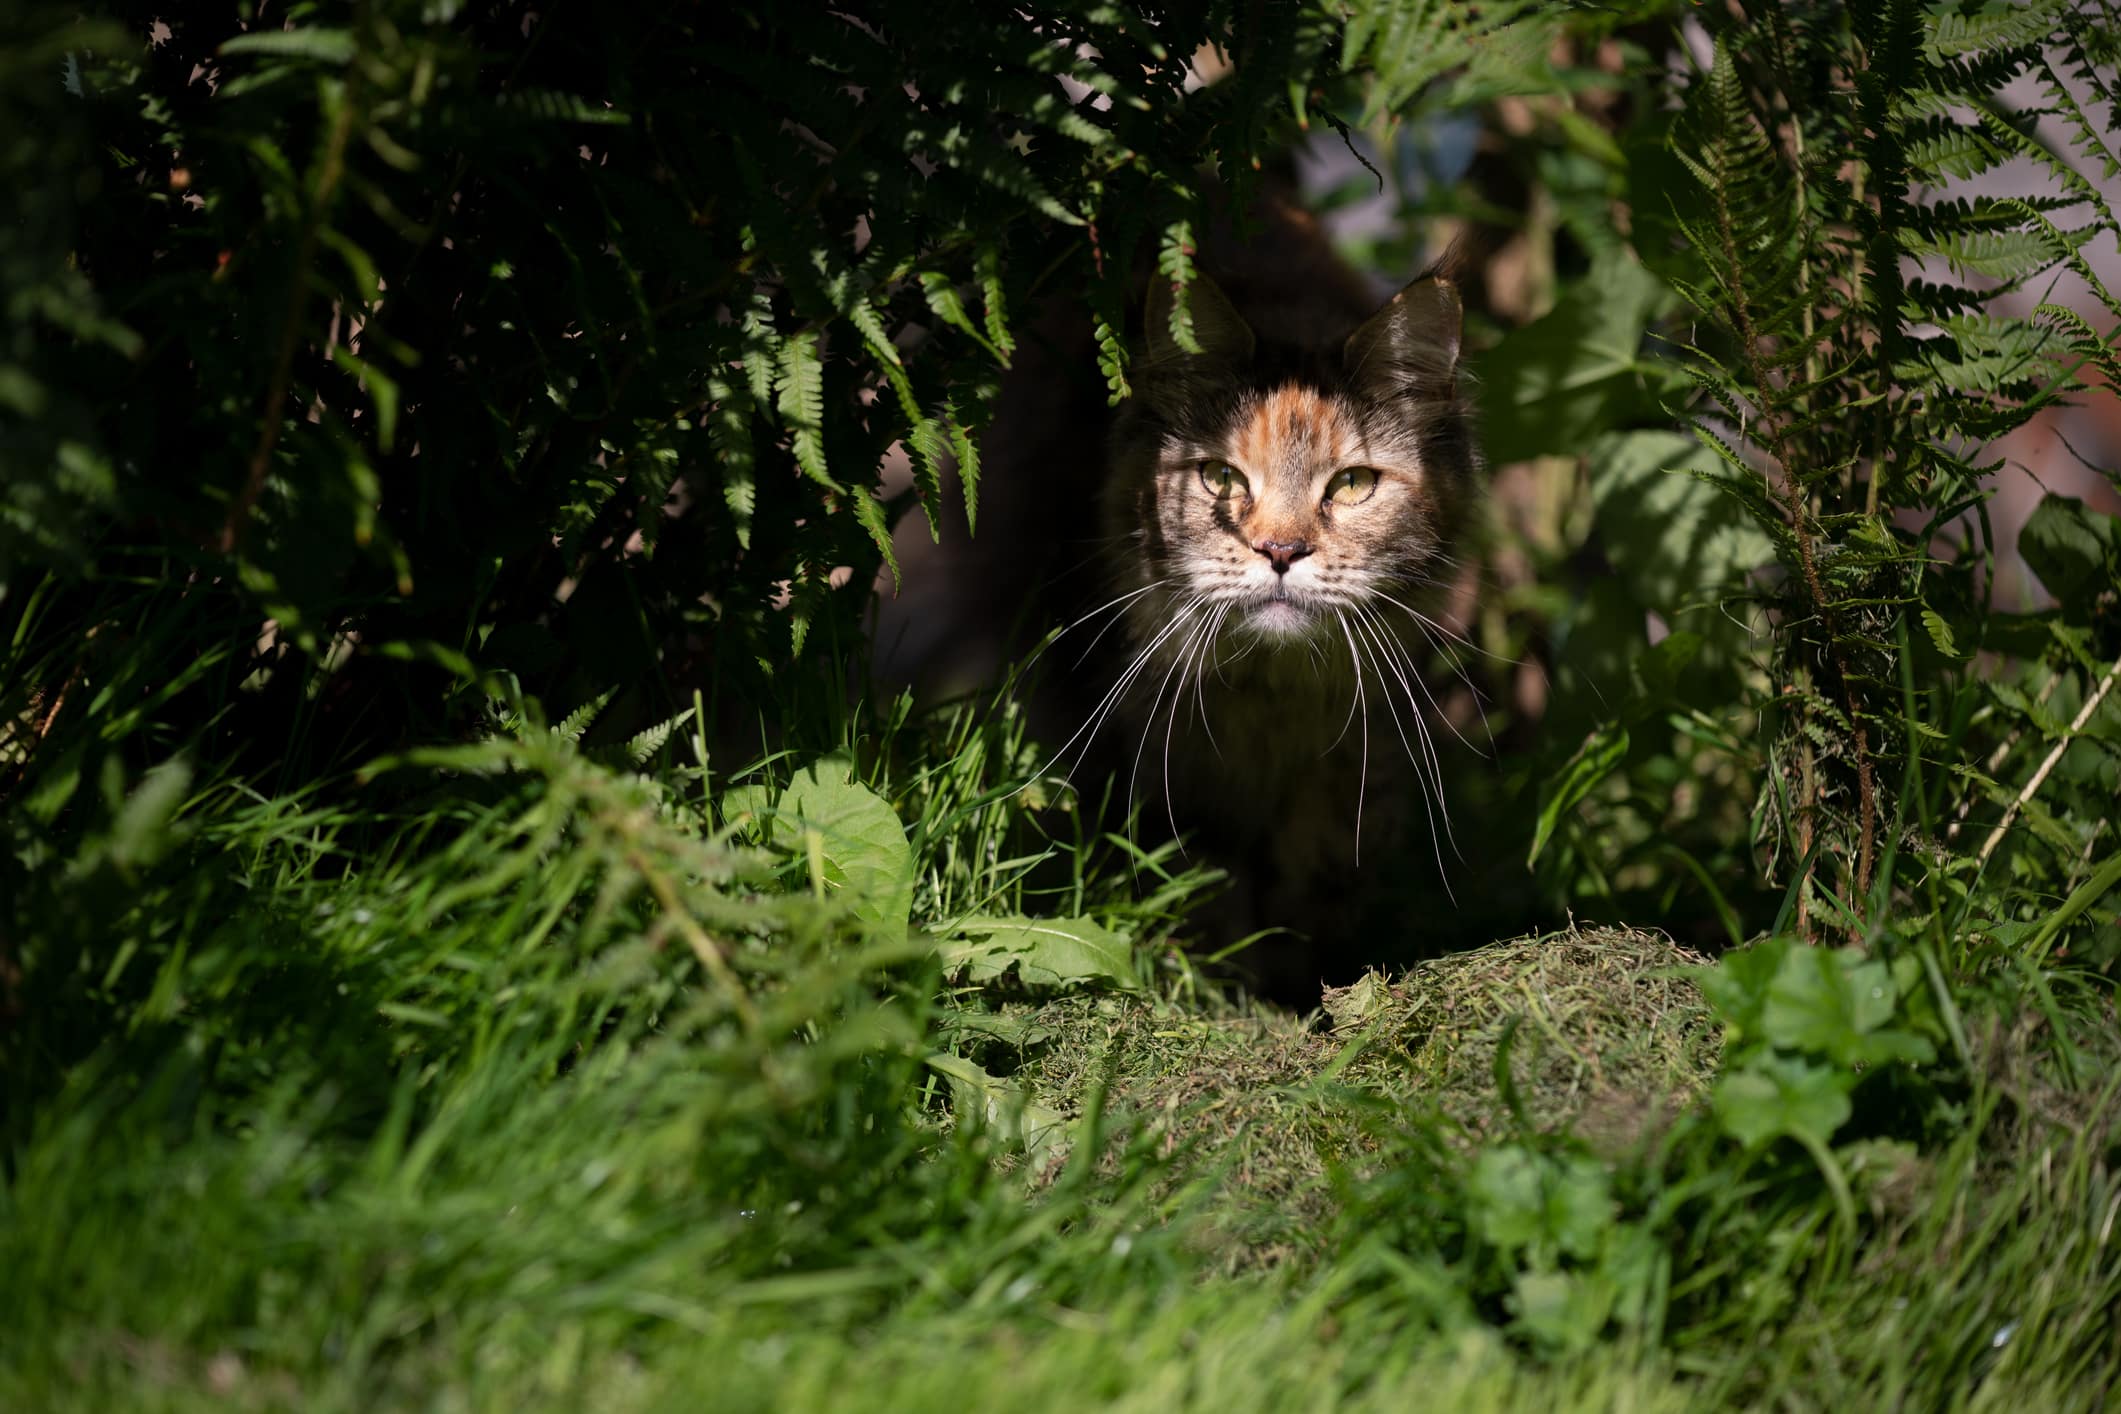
[(802, 404)]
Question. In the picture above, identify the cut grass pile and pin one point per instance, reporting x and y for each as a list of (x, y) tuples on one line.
[(1602, 1028)]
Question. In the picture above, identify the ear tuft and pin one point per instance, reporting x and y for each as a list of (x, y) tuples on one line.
[(1410, 347)]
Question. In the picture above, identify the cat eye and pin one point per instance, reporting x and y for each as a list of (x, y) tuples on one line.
[(1351, 486), (1224, 481)]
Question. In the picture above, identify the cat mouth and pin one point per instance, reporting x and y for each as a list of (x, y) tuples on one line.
[(1279, 616)]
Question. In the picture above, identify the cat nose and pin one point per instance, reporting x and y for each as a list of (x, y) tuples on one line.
[(1283, 553)]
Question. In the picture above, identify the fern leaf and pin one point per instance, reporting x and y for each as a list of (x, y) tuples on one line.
[(729, 433), (578, 722), (802, 405), (996, 311), (943, 299), (1174, 261), (644, 744), (966, 448), (870, 512)]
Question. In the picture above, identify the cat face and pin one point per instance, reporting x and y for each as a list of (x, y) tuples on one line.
[(1285, 484)]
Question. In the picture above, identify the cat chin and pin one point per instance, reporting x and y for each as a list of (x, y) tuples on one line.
[(1281, 620)]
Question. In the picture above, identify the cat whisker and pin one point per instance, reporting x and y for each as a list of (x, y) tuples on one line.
[(1362, 777), (1211, 657), (1099, 636), (1435, 706), (1205, 640), (1178, 659), (1111, 699), (1431, 779)]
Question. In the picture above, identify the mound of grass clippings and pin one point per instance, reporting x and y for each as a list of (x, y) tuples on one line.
[(1603, 1029)]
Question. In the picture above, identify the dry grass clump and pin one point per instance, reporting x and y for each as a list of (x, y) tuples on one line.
[(1603, 1029)]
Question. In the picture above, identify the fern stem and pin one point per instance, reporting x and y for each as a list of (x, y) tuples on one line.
[(1799, 511)]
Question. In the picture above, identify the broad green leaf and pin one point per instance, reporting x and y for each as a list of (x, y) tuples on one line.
[(1673, 538), (861, 842), (1005, 1109), (1522, 1199), (1579, 369), (1776, 1096), (1562, 1311), (2072, 548), (1835, 1002), (1044, 951), (1596, 759)]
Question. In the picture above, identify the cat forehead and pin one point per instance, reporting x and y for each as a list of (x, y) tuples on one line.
[(1292, 421)]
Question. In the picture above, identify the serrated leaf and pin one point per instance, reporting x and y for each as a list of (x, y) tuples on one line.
[(326, 46), (575, 724), (1940, 633), (644, 744), (996, 309), (729, 433), (802, 404), (869, 511), (863, 844), (1045, 952)]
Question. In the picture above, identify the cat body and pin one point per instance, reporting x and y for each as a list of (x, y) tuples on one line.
[(1279, 503)]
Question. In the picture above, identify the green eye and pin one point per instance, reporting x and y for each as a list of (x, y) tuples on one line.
[(1351, 486), (1224, 481)]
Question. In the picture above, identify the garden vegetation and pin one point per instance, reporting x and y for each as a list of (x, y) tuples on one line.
[(475, 933)]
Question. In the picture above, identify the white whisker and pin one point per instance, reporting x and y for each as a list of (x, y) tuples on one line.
[(1362, 778)]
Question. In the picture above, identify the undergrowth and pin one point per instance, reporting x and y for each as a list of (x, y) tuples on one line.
[(472, 934)]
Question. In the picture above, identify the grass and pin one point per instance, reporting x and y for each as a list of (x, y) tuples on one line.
[(549, 1091)]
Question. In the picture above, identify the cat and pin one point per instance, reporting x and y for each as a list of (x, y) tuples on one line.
[(1278, 500), (1266, 516)]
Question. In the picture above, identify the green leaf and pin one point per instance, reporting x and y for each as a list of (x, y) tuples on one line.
[(326, 46), (1521, 1199), (1776, 1096), (1045, 952), (1597, 758), (1673, 538), (1835, 1002), (1578, 370), (729, 432), (870, 512), (1005, 1109), (2072, 548), (802, 405), (863, 845), (1940, 633)]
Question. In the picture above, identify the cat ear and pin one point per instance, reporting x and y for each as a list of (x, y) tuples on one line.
[(1218, 328), (1410, 347)]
